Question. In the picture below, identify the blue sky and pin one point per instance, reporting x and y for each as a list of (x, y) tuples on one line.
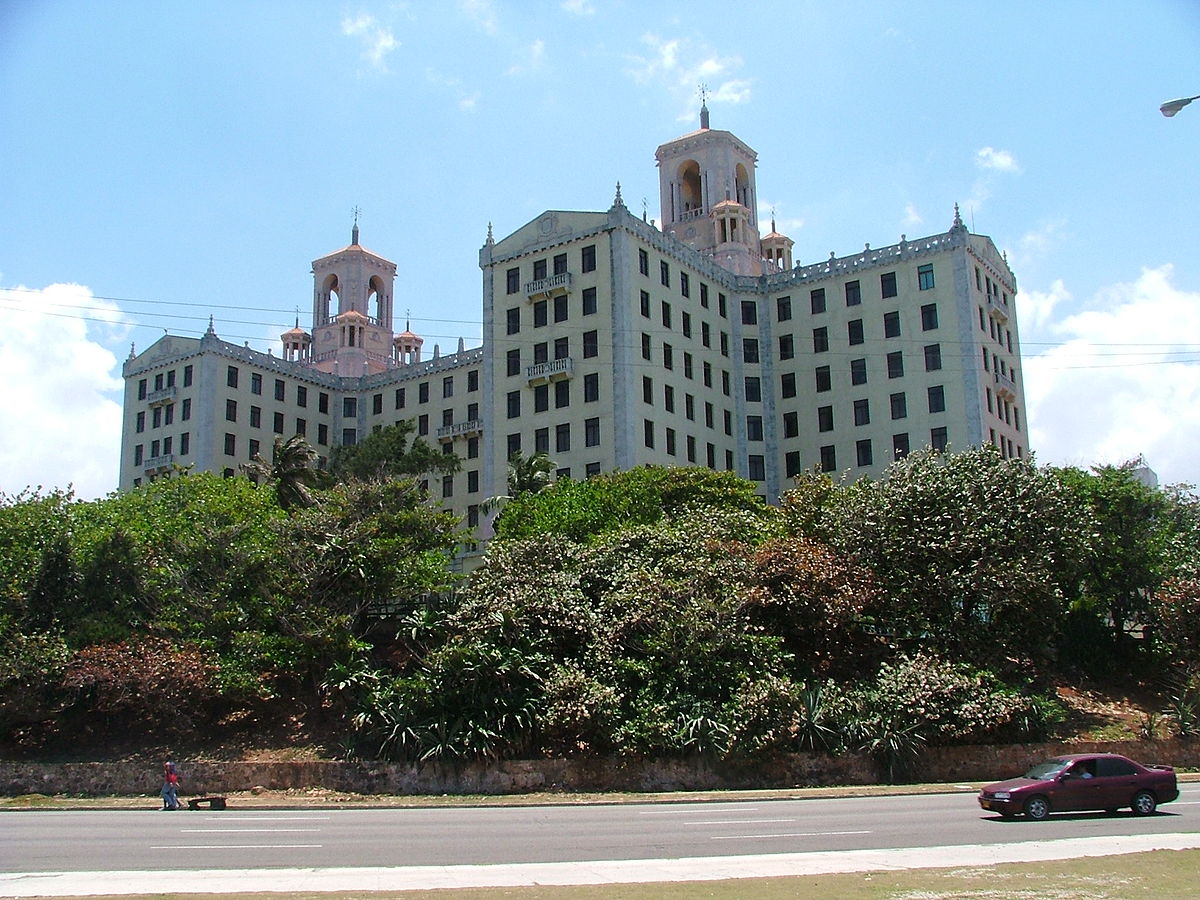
[(164, 162)]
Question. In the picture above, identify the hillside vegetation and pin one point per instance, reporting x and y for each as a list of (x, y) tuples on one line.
[(660, 611)]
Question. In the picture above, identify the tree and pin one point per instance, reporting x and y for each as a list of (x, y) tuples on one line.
[(292, 471), (526, 475), (388, 453)]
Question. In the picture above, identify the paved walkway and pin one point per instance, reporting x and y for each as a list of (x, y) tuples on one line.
[(399, 878)]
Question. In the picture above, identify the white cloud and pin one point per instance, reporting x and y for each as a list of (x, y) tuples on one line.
[(997, 161), (60, 411), (911, 216), (482, 13), (578, 7), (533, 58), (378, 41), (662, 65), (1036, 308), (1124, 381)]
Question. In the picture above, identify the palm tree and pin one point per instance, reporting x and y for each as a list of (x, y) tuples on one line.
[(292, 470), (526, 475)]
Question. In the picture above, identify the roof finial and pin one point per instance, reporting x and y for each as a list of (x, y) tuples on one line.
[(211, 330), (354, 230), (957, 217), (617, 201), (703, 106), (490, 239)]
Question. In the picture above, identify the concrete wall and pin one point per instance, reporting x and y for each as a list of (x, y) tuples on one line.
[(937, 764)]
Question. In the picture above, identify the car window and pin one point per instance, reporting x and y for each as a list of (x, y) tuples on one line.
[(1112, 767), (1047, 770)]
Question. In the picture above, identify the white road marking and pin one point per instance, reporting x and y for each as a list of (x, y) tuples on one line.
[(692, 812), (743, 837), (236, 847), (243, 830), (740, 822), (268, 818)]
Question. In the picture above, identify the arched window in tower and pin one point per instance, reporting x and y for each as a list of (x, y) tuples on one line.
[(690, 193), (330, 297), (377, 300), (742, 182)]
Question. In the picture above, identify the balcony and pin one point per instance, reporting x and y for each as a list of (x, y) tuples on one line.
[(161, 396), (997, 310), (554, 370), (1006, 388), (548, 287), (161, 463), (474, 426)]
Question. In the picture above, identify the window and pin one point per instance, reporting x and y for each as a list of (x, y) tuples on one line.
[(670, 441), (854, 331), (185, 443), (562, 348), (722, 311), (157, 417), (824, 380), (448, 417), (787, 348), (186, 412), (589, 301), (828, 458), (691, 449), (853, 293), (858, 371), (587, 258), (708, 374), (513, 444), (937, 398), (512, 281), (824, 418), (301, 427), (821, 339), (938, 439), (562, 438), (560, 308), (933, 357), (685, 284), (591, 344), (158, 386), (816, 301), (666, 314), (540, 314), (231, 378), (891, 324), (591, 387), (895, 364), (541, 440), (645, 346), (277, 423), (230, 410), (754, 428), (513, 320), (724, 343), (887, 285), (591, 432), (560, 264), (647, 390), (862, 450), (668, 398), (749, 312), (929, 317), (862, 412), (473, 481), (925, 277), (399, 398), (539, 269), (472, 448), (141, 422), (668, 356), (664, 273), (541, 398), (648, 433), (753, 389), (187, 378), (562, 394), (514, 404), (750, 350), (280, 389), (230, 443), (643, 262), (687, 365), (728, 423), (301, 396), (899, 405), (472, 380), (705, 334), (689, 407), (377, 404), (704, 295), (791, 425), (423, 392), (645, 304), (422, 424), (724, 382), (756, 467), (255, 383), (708, 414), (472, 412), (787, 385), (685, 322), (322, 402), (900, 445), (783, 308)]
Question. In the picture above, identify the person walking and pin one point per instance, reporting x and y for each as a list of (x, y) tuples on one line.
[(170, 788)]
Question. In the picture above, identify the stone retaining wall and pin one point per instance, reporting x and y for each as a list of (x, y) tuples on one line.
[(936, 764)]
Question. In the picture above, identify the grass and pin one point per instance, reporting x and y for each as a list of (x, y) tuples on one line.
[(1161, 874)]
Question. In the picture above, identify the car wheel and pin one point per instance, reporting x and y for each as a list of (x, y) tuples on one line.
[(1037, 808), (1144, 803)]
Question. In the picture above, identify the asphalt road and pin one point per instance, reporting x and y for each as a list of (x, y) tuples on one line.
[(97, 841)]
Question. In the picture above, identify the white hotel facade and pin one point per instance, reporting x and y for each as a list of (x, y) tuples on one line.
[(609, 342)]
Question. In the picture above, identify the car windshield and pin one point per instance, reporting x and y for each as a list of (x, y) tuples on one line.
[(1045, 771)]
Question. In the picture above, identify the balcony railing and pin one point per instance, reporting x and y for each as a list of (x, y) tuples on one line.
[(548, 370), (159, 463), (1005, 386), (996, 309), (545, 287), (474, 425), (161, 396)]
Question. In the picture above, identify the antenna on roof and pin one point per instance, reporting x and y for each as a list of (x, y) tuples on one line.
[(354, 231), (703, 88)]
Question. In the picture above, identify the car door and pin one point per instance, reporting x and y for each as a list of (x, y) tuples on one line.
[(1076, 789), (1117, 782)]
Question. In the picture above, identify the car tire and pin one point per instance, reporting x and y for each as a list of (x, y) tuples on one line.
[(1144, 803), (1037, 808)]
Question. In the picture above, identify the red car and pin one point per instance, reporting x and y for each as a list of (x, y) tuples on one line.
[(1082, 781)]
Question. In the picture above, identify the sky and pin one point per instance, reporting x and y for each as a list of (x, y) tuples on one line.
[(164, 163)]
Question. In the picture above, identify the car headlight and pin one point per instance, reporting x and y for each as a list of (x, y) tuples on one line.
[(1002, 795)]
